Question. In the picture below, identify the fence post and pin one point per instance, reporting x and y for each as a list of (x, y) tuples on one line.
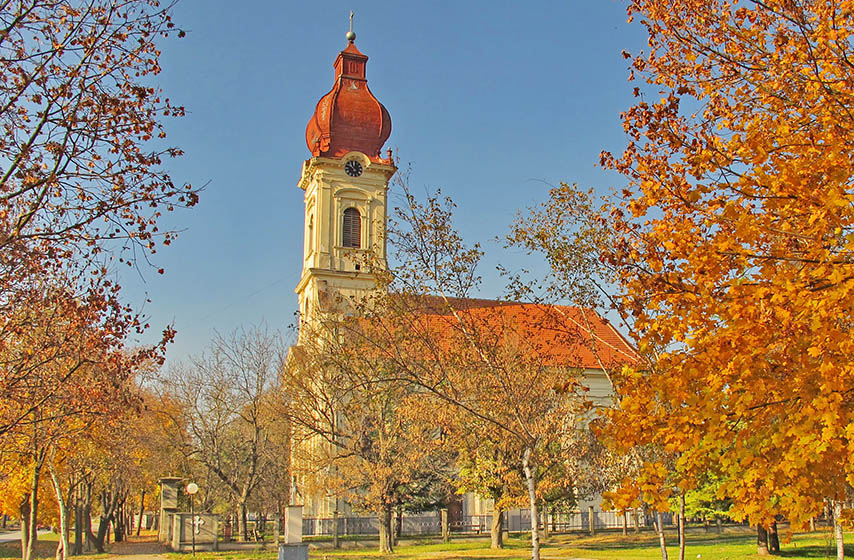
[(446, 532), (592, 520)]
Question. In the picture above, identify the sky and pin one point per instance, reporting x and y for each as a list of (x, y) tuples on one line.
[(492, 102)]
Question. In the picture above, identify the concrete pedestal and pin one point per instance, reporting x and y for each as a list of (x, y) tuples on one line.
[(293, 551), (293, 524)]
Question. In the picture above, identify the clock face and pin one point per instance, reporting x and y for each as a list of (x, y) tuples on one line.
[(353, 168)]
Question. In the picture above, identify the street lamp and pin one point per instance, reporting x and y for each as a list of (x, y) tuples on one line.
[(192, 488)]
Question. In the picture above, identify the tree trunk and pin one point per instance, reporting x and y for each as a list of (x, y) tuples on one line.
[(25, 524), (545, 514), (120, 520), (385, 518), (662, 541), (244, 522), (591, 520), (34, 512), (141, 511), (336, 531), (532, 500), (62, 546), (109, 507), (118, 528), (87, 516), (496, 534), (682, 526), (446, 529), (773, 538), (78, 526), (69, 513), (554, 519), (625, 523), (635, 521), (761, 540), (837, 530), (398, 526), (261, 524)]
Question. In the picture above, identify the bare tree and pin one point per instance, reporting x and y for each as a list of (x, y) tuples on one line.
[(223, 398)]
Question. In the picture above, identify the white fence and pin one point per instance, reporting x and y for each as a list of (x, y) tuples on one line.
[(515, 520)]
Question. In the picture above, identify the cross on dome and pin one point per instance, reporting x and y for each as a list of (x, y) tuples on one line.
[(351, 36)]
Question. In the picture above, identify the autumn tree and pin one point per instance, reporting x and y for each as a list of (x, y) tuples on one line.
[(355, 428), (82, 378), (516, 372), (732, 248), (82, 187), (749, 291), (487, 471), (82, 184), (79, 115)]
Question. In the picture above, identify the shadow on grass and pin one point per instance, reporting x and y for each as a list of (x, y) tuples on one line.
[(41, 549), (814, 551), (44, 548), (615, 542)]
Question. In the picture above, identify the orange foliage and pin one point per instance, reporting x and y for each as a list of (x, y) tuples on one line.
[(735, 247), (81, 188)]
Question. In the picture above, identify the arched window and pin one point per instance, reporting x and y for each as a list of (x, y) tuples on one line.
[(352, 228)]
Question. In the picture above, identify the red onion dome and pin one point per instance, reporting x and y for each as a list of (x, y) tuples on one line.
[(349, 117)]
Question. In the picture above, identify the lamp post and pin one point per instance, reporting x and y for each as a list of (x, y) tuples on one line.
[(192, 488)]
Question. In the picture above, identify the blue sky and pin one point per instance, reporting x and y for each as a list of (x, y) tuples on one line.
[(490, 101)]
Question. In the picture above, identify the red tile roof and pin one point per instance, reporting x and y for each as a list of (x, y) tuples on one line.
[(560, 335)]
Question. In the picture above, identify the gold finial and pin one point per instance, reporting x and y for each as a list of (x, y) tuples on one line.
[(350, 35)]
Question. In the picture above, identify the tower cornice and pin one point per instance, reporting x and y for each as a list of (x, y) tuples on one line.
[(335, 167)]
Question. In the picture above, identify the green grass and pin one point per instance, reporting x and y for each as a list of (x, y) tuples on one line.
[(228, 555), (735, 543)]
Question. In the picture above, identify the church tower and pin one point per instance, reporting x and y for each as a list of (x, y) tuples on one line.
[(346, 184)]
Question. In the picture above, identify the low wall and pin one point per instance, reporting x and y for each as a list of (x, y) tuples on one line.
[(185, 528)]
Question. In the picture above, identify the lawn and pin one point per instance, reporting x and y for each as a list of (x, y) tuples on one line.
[(735, 543)]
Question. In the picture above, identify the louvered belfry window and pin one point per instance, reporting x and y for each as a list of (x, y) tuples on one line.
[(352, 228)]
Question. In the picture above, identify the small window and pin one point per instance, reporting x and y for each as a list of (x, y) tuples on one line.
[(310, 241), (352, 228)]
